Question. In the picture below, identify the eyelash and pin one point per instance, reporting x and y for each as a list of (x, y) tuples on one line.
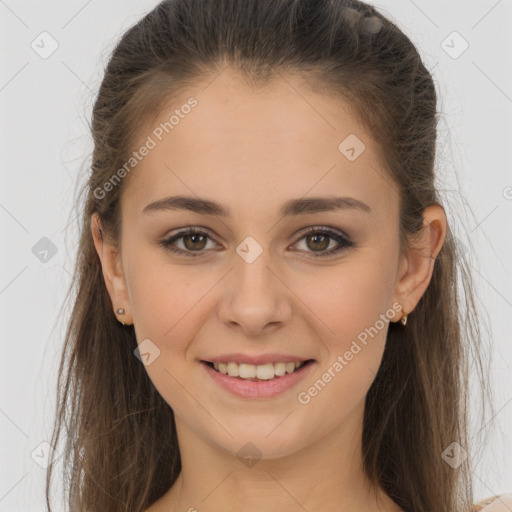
[(344, 242)]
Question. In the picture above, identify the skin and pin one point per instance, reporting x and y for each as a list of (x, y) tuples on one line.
[(286, 301)]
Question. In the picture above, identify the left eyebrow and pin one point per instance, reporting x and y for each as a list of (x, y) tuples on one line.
[(293, 207)]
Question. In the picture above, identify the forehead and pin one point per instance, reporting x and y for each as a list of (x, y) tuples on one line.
[(250, 147)]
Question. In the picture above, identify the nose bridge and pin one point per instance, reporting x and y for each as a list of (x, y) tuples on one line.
[(256, 297), (252, 274), (253, 282)]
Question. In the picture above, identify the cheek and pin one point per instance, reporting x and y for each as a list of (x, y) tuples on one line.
[(165, 301), (348, 298), (353, 302), (162, 296)]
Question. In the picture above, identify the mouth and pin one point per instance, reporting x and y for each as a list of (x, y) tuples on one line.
[(258, 373)]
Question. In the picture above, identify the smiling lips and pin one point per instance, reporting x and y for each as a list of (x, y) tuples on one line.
[(267, 371), (263, 381)]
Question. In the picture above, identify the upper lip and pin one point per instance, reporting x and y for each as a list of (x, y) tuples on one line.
[(256, 359)]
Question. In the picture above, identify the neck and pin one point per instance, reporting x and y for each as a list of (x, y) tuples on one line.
[(325, 476)]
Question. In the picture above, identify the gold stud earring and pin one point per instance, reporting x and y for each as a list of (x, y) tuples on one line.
[(403, 320)]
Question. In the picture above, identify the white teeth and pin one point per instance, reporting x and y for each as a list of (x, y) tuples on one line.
[(266, 371), (246, 371), (279, 369), (232, 369), (290, 367)]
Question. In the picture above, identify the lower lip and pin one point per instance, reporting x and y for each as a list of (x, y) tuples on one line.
[(258, 389)]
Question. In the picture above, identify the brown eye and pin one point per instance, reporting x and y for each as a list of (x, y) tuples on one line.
[(318, 239), (194, 242), (197, 241), (318, 242)]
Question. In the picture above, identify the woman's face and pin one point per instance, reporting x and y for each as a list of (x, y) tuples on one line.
[(254, 282)]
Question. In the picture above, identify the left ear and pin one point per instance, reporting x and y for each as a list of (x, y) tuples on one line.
[(417, 264)]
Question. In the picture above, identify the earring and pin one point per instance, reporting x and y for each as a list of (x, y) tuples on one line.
[(403, 320), (120, 311)]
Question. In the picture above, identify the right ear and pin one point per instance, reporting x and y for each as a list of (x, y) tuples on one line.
[(112, 268)]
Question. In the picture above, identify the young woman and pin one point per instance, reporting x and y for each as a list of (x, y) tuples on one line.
[(267, 308)]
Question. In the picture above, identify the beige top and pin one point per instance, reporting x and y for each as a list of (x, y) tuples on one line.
[(501, 503)]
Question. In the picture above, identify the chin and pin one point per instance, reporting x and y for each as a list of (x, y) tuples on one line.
[(268, 440)]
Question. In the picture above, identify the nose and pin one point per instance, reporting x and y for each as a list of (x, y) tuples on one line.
[(256, 301)]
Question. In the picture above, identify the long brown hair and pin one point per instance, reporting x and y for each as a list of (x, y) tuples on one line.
[(121, 451)]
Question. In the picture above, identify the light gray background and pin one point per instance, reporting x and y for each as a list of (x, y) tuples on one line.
[(45, 109)]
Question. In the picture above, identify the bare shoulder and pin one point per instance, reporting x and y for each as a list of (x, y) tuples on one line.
[(500, 503)]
